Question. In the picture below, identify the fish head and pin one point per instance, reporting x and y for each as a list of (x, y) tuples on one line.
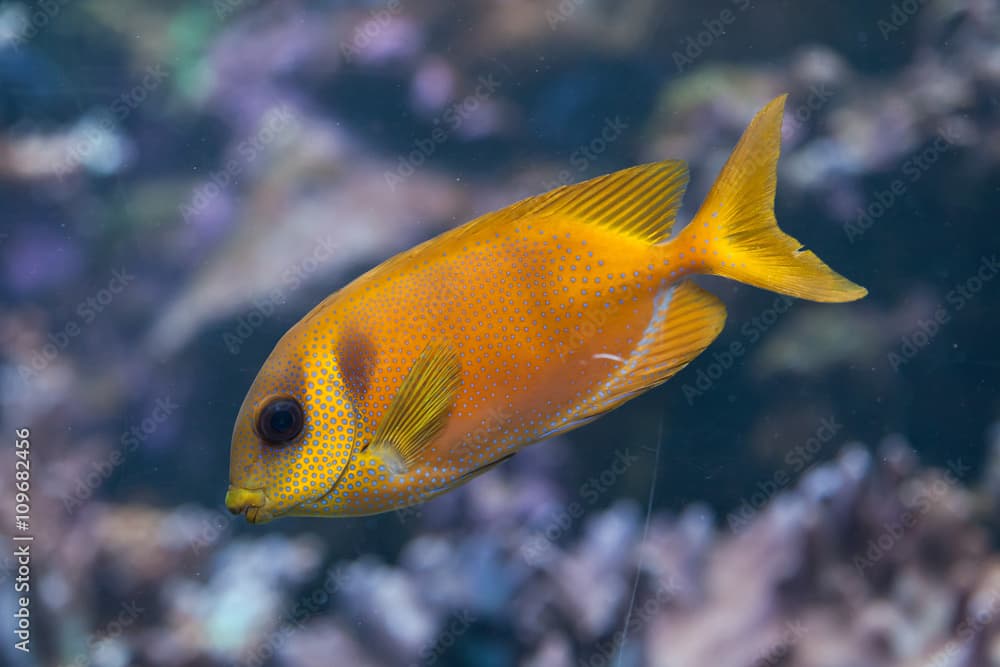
[(295, 433)]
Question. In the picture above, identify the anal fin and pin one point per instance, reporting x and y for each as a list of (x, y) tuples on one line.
[(686, 319)]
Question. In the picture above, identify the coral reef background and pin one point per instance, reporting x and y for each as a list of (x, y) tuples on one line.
[(182, 181)]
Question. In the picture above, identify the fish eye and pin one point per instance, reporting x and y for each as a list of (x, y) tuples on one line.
[(280, 421)]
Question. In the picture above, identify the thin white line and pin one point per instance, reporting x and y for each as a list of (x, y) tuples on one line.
[(612, 357), (645, 531)]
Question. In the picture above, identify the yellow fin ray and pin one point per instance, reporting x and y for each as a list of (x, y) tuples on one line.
[(737, 228), (686, 319), (641, 201), (419, 409)]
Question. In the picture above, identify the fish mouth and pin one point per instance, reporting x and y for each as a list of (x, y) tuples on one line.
[(250, 502)]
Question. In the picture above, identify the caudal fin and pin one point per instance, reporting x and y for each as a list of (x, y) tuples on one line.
[(735, 231)]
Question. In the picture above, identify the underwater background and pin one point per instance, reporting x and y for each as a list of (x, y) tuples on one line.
[(181, 181)]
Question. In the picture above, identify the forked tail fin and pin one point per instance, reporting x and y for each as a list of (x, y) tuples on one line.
[(735, 231)]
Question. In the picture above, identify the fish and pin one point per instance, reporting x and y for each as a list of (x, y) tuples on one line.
[(525, 323)]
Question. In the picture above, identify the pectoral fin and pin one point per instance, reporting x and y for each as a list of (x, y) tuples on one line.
[(420, 408)]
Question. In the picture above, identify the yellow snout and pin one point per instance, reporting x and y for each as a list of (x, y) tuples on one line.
[(251, 501)]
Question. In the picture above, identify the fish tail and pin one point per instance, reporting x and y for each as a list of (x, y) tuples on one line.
[(735, 235)]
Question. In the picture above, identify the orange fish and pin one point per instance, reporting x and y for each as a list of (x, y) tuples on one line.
[(524, 323)]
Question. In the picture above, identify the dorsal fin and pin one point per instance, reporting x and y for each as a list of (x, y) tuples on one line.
[(419, 409), (639, 201)]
